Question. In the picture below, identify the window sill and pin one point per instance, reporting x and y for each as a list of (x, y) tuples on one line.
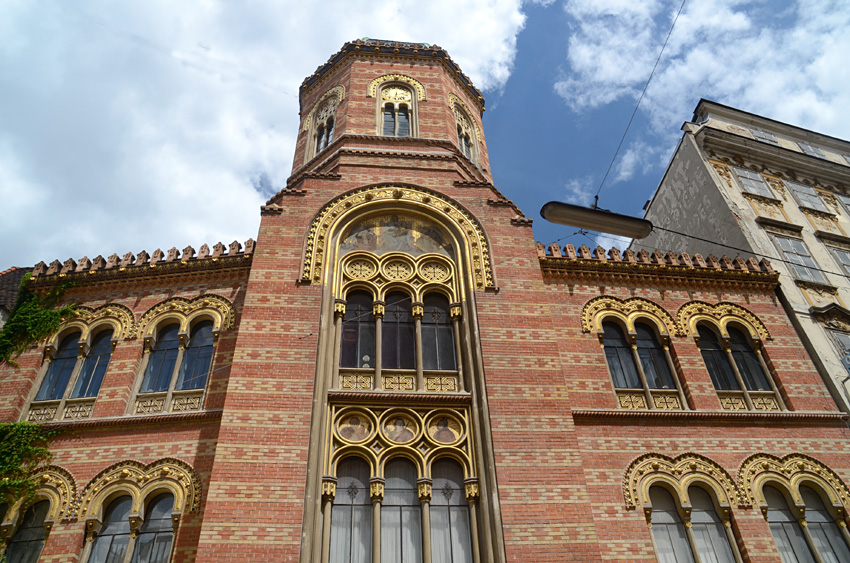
[(747, 417), (55, 411), (181, 401), (135, 420)]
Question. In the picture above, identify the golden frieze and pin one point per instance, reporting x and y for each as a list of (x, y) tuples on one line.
[(630, 310), (721, 313), (184, 310), (420, 89)]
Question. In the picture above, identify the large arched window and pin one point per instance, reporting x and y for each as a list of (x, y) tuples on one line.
[(401, 522), (397, 107), (59, 373), (351, 519), (668, 530), (197, 357), (398, 339), (467, 133), (153, 542), (91, 376), (449, 510), (825, 533), (28, 541), (738, 373), (110, 544), (162, 360), (710, 536), (643, 371), (438, 342)]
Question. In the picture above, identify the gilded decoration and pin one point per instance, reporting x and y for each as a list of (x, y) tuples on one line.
[(118, 316), (791, 471), (396, 94), (723, 171), (139, 481), (666, 401), (441, 383), (733, 401), (373, 86), (462, 116), (379, 239), (399, 383), (823, 221), (56, 485), (336, 95), (388, 273), (766, 207), (819, 295), (631, 401), (722, 314), (776, 184), (355, 381), (678, 474), (834, 318), (628, 311), (378, 434), (185, 311)]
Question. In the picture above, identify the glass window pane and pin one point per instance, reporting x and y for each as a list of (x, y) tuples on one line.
[(28, 541), (619, 356), (403, 121), (668, 530), (747, 362), (401, 530), (351, 516), (110, 545), (716, 361), (197, 358), (438, 345), (358, 332), (60, 370), (826, 534), (398, 333), (162, 360), (389, 120), (91, 375), (652, 359), (712, 542), (785, 528)]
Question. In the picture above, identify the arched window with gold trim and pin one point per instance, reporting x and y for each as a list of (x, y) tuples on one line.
[(28, 541), (467, 131), (397, 110), (110, 545), (396, 377), (320, 123)]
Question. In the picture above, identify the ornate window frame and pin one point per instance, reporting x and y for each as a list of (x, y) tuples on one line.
[(89, 323), (397, 90), (677, 475), (186, 314), (141, 483), (321, 115), (718, 318), (57, 486), (625, 313), (788, 474), (468, 133)]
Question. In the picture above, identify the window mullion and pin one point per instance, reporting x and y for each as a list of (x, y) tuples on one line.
[(692, 543), (650, 403), (424, 486), (472, 493), (328, 494), (339, 314), (456, 315), (376, 491), (741, 384), (669, 358), (378, 313), (178, 364), (810, 541), (417, 311)]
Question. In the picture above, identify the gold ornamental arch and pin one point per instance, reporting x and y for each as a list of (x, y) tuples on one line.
[(403, 200)]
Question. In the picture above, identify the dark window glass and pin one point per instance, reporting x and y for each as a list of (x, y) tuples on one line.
[(91, 376), (197, 357), (709, 533), (320, 139), (110, 545), (60, 370), (671, 540), (716, 361), (748, 364), (403, 121), (28, 541), (450, 536), (786, 530), (153, 544), (357, 349), (620, 360), (162, 360), (398, 333), (652, 359), (438, 341), (825, 532), (351, 516), (389, 120), (401, 525), (330, 131)]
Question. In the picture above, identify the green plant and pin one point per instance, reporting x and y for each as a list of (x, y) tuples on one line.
[(23, 447), (33, 318)]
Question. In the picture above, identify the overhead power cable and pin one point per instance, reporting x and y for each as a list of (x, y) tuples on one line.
[(637, 105)]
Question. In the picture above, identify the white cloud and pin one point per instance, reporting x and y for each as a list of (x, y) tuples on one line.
[(580, 191), (145, 125), (607, 241), (788, 65)]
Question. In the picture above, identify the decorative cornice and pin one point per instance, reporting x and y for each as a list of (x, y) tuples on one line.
[(690, 313), (672, 269), (135, 421), (780, 225), (415, 399), (832, 237), (738, 417)]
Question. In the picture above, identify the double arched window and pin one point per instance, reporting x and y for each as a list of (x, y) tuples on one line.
[(397, 110), (467, 132), (737, 370), (118, 542), (641, 368), (73, 374), (814, 537), (400, 515), (692, 534), (176, 367)]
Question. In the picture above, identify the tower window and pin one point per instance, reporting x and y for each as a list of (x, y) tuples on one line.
[(397, 111)]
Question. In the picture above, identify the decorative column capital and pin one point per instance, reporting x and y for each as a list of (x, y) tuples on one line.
[(135, 524), (378, 309), (418, 310), (376, 489), (424, 486), (339, 307), (93, 526), (328, 487), (455, 311), (472, 491)]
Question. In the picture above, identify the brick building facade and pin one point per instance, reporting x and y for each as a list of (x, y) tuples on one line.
[(396, 372)]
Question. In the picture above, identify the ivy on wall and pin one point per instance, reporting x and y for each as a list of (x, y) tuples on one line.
[(33, 318), (23, 447)]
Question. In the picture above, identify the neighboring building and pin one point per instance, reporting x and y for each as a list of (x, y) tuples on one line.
[(10, 281), (396, 372), (773, 190)]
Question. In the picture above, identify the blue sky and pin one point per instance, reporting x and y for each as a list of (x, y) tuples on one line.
[(127, 126)]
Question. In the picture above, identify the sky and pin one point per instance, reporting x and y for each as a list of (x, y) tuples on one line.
[(127, 126)]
